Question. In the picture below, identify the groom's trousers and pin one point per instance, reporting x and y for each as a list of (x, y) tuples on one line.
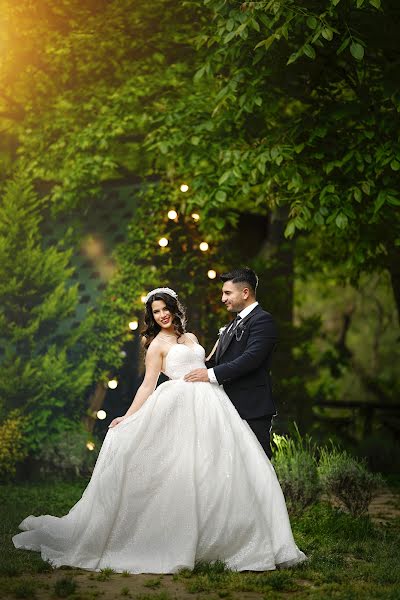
[(261, 428)]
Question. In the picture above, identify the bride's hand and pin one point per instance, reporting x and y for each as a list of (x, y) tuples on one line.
[(116, 421)]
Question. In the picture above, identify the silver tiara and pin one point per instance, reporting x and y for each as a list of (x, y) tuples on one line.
[(164, 290)]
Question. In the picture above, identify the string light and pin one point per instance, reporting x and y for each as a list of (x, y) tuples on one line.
[(195, 216), (90, 446), (122, 353), (133, 325), (184, 187), (143, 299), (212, 274), (112, 384), (172, 214), (163, 242), (203, 246), (101, 414)]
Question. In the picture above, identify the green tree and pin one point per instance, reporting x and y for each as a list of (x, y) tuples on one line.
[(79, 83), (45, 364), (294, 109)]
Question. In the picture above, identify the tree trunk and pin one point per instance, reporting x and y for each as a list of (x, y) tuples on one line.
[(96, 400), (276, 294)]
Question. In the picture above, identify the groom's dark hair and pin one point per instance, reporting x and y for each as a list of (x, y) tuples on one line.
[(244, 275)]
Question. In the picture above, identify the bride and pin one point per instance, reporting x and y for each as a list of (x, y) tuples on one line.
[(179, 478)]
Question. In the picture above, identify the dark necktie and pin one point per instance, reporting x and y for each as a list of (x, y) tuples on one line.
[(235, 323)]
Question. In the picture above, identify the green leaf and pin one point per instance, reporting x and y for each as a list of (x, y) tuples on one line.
[(224, 177), (376, 3), (341, 221), (357, 194), (343, 45), (380, 201), (312, 22), (199, 74), (241, 28), (357, 51), (220, 196), (393, 200), (292, 58), (318, 218), (266, 43), (395, 165), (290, 229), (309, 51), (327, 34), (229, 37), (163, 147), (366, 188), (195, 140), (335, 2)]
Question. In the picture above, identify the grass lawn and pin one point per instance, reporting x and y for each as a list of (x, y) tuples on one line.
[(348, 559)]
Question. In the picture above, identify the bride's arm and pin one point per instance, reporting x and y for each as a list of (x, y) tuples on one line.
[(153, 367)]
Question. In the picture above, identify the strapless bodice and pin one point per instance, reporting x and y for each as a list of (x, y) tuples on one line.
[(182, 359)]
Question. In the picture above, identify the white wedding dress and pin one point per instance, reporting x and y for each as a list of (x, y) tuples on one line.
[(183, 479)]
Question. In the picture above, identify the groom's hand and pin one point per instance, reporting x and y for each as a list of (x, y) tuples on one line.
[(197, 375)]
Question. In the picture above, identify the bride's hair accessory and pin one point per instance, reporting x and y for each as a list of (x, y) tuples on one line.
[(163, 290)]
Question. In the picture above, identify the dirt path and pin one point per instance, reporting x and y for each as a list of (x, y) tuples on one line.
[(92, 586), (385, 507)]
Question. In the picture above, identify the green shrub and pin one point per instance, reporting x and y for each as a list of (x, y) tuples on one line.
[(13, 448), (46, 366), (65, 587), (296, 467), (347, 479), (25, 589), (67, 455)]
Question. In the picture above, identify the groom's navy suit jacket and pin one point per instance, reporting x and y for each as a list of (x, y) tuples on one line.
[(242, 364)]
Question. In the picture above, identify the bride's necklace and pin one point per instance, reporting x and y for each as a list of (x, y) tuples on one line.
[(166, 337)]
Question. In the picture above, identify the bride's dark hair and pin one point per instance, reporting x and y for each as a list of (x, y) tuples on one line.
[(178, 317)]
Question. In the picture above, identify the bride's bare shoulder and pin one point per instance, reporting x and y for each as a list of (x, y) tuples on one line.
[(156, 345), (192, 337)]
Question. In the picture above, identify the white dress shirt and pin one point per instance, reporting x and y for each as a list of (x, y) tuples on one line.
[(242, 314)]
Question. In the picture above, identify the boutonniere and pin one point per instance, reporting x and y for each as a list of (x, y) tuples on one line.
[(221, 330)]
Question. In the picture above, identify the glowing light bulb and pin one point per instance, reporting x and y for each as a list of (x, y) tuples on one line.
[(90, 446), (195, 216), (163, 242), (112, 384), (143, 298), (133, 325), (184, 187), (122, 353), (212, 274), (203, 246), (101, 414), (172, 214)]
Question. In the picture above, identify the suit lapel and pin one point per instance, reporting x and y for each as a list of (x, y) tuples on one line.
[(227, 339), (221, 343)]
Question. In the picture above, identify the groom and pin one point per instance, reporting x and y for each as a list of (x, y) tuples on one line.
[(242, 359)]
